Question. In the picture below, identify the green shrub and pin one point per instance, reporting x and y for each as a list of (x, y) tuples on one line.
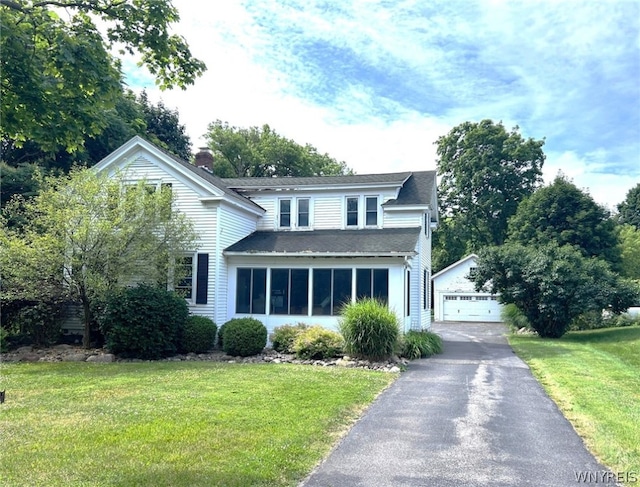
[(421, 344), (317, 343), (143, 322), (4, 343), (283, 337), (621, 320), (591, 320), (198, 335), (220, 333), (370, 329), (244, 337), (42, 322), (514, 318)]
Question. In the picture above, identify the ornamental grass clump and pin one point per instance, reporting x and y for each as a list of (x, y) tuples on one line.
[(244, 337), (317, 343), (370, 329), (421, 344)]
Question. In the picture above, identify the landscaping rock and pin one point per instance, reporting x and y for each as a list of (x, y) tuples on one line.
[(75, 357), (102, 358), (71, 353), (28, 357)]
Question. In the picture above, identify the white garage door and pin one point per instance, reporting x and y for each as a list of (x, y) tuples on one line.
[(471, 308)]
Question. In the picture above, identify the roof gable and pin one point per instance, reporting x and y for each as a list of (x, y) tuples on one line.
[(210, 185), (470, 259)]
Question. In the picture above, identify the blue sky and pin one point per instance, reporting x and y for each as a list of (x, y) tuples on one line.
[(375, 83)]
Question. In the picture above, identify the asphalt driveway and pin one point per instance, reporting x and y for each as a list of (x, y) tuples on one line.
[(473, 416)]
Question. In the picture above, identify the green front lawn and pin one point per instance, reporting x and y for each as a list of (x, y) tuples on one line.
[(594, 377), (174, 423)]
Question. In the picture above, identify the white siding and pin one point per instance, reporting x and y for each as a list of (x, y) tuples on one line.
[(268, 220), (402, 219), (234, 226), (187, 201), (327, 212)]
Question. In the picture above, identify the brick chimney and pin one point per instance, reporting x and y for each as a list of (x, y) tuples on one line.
[(204, 159)]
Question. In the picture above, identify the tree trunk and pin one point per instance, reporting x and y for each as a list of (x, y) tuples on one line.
[(86, 337)]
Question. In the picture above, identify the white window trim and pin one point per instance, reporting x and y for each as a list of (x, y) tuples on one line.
[(309, 212), (291, 213), (364, 210), (194, 263), (345, 212)]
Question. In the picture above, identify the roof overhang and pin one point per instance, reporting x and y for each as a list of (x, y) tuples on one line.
[(319, 254)]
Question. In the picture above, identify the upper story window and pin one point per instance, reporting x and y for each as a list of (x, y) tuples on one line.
[(371, 211), (285, 213), (303, 212), (352, 212)]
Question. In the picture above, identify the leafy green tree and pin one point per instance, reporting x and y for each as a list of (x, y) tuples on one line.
[(163, 128), (261, 152), (630, 243), (131, 116), (58, 76), (562, 213), (551, 284), (485, 173), (629, 209), (449, 244), (93, 233)]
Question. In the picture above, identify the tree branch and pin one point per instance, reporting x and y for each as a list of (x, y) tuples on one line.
[(87, 6)]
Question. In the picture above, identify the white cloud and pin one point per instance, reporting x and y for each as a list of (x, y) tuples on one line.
[(375, 83), (607, 189)]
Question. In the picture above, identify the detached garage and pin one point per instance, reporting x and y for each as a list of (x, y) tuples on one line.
[(455, 298)]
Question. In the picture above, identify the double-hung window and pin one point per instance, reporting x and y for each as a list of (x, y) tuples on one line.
[(190, 278), (303, 212), (285, 213), (352, 212), (184, 269), (371, 211)]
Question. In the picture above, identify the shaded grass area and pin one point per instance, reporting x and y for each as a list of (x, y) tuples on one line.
[(594, 377), (174, 423)]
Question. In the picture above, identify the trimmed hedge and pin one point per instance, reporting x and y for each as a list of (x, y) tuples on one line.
[(143, 322), (198, 335), (244, 337)]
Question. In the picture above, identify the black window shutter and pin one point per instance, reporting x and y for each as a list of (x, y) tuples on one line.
[(202, 279)]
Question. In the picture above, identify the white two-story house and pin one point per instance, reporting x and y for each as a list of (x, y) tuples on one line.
[(290, 250)]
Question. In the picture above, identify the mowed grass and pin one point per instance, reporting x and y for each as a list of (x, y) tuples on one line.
[(174, 423), (594, 377)]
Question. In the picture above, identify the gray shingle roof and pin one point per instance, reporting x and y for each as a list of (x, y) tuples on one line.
[(386, 241), (288, 182), (417, 190)]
